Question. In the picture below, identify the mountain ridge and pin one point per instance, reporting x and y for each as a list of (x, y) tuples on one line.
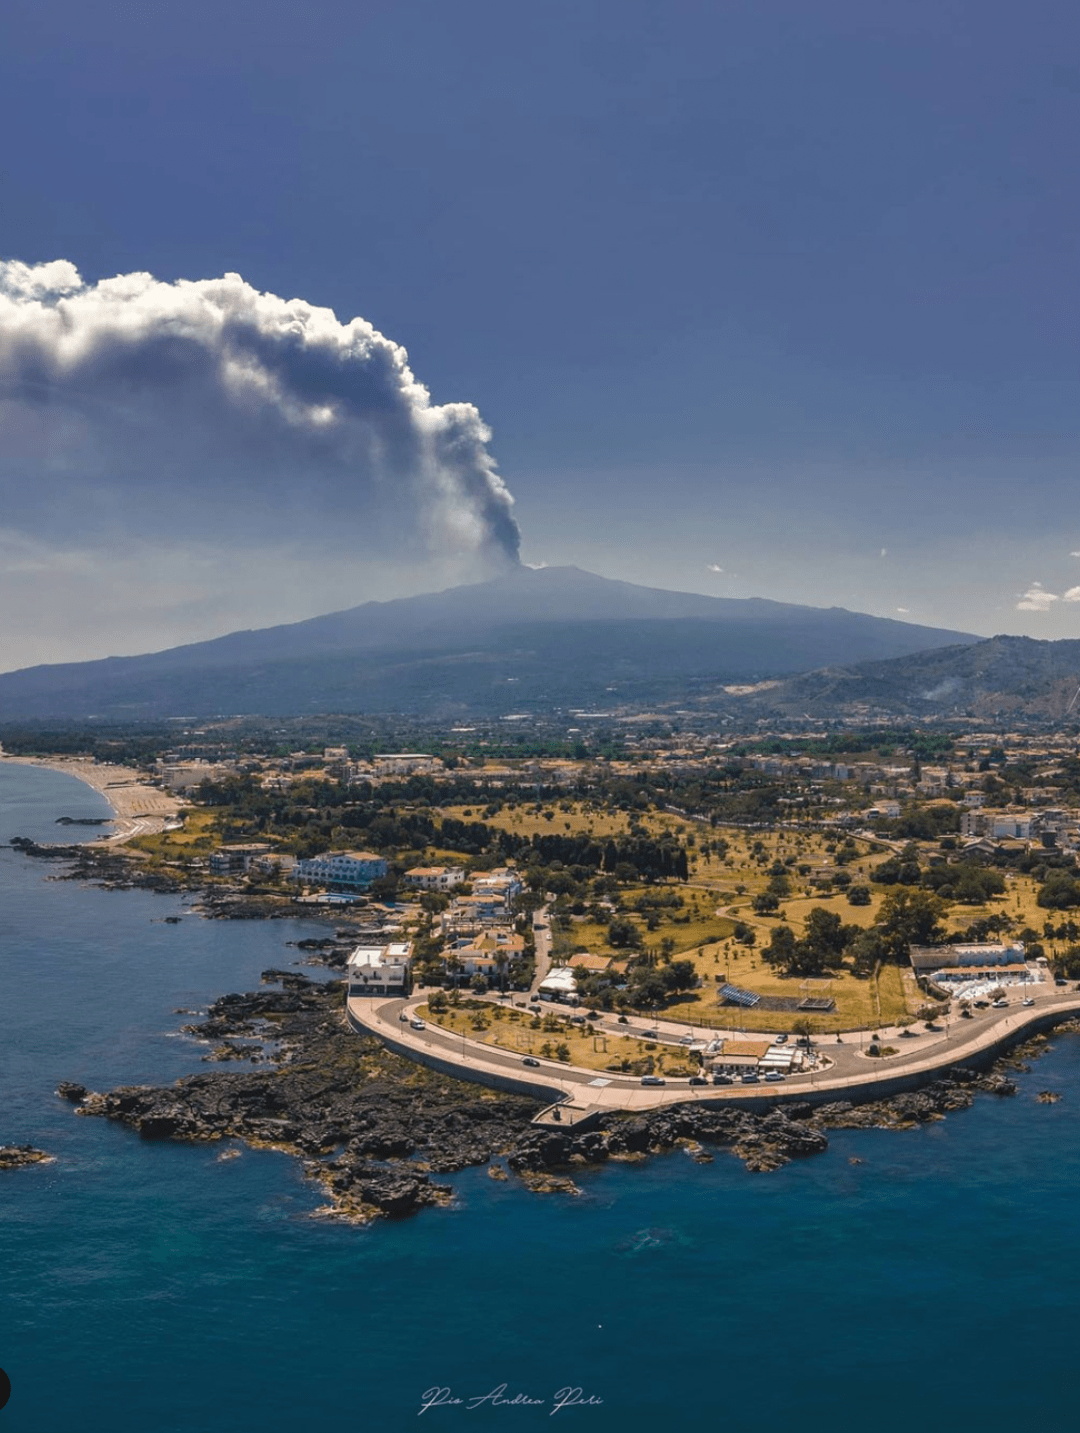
[(562, 634)]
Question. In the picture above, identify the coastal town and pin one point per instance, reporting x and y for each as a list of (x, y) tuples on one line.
[(653, 916)]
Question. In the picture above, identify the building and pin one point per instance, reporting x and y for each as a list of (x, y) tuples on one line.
[(237, 858), (927, 959), (488, 955), (355, 869), (434, 878), (559, 985), (503, 884), (406, 763), (380, 969)]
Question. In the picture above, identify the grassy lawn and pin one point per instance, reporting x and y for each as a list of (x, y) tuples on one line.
[(859, 1002), (197, 837), (560, 818), (521, 1033), (700, 929)]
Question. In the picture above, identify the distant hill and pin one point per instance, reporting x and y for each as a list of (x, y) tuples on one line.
[(552, 637), (1001, 679)]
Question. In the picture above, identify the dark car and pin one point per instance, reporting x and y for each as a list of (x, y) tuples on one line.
[(722, 1080), (623, 1020), (404, 1015), (698, 1080), (653, 1080), (528, 1060)]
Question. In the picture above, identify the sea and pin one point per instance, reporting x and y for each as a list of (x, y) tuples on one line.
[(921, 1279)]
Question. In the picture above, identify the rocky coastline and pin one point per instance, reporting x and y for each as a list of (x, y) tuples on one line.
[(375, 1130), (18, 1156), (114, 868)]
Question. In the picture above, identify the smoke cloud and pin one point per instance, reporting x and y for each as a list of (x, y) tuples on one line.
[(206, 411)]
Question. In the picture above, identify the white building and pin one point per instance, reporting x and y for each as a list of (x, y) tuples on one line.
[(927, 959), (435, 878), (356, 869), (406, 763), (380, 969), (559, 985), (503, 884)]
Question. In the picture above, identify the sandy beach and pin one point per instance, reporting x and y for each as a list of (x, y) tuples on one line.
[(140, 808)]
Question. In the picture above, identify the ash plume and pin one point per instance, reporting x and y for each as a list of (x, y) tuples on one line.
[(134, 407)]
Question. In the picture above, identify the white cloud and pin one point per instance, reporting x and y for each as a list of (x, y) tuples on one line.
[(712, 567), (178, 412), (1037, 599), (902, 609), (884, 552), (1073, 595)]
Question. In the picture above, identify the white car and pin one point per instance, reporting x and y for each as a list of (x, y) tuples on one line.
[(417, 1024)]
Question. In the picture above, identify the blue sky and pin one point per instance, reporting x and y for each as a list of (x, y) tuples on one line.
[(782, 289)]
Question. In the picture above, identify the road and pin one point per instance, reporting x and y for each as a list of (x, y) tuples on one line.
[(851, 1071)]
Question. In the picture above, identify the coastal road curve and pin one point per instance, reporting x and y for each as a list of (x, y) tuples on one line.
[(852, 1075)]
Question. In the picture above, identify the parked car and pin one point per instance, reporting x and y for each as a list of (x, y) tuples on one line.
[(780, 1040), (652, 1080), (773, 1076), (528, 1060), (750, 1079), (722, 1080), (698, 1080), (623, 1020)]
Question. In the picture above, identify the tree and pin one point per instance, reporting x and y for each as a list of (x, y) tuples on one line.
[(1060, 891), (622, 933), (766, 903), (781, 950), (910, 917), (859, 895), (824, 934), (867, 950), (680, 975), (646, 987)]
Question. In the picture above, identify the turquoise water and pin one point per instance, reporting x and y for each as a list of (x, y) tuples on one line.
[(155, 1287)]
